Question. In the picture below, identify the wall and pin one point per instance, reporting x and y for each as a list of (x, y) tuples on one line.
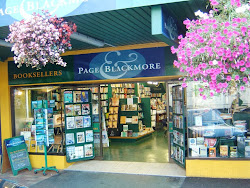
[(218, 168), (5, 102)]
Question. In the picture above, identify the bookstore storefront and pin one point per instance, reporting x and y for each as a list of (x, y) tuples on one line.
[(77, 98), (211, 134)]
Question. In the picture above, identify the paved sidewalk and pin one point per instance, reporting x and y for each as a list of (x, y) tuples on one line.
[(79, 179)]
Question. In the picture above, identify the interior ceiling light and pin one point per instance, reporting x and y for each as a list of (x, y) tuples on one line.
[(5, 44), (87, 39)]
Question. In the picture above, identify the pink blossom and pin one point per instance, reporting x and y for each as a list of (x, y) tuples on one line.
[(237, 77), (214, 2), (201, 89), (245, 79), (229, 78), (242, 88), (184, 85), (204, 97), (243, 69)]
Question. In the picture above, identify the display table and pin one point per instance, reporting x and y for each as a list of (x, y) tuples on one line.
[(129, 139)]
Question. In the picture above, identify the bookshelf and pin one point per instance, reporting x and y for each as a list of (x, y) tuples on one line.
[(131, 117), (123, 91), (179, 126), (104, 97), (143, 91), (79, 139)]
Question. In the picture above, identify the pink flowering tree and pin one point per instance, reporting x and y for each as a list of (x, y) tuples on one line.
[(215, 49), (40, 40)]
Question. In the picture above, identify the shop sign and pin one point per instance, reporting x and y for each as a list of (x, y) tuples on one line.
[(120, 64), (149, 62), (50, 73), (17, 154), (164, 26), (16, 10)]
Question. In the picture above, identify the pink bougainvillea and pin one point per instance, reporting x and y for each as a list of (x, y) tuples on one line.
[(215, 49), (40, 40)]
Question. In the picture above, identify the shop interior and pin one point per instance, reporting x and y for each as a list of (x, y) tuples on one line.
[(136, 121), (133, 117)]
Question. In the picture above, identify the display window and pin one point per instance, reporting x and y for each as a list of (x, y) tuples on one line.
[(42, 114), (58, 115), (218, 127)]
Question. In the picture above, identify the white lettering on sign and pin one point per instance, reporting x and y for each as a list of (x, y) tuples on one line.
[(32, 6), (114, 70)]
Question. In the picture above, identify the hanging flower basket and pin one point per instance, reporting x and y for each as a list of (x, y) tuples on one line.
[(215, 49), (40, 40)]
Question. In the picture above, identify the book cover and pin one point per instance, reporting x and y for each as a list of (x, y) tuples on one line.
[(49, 113), (224, 150), (89, 135), (198, 120), (134, 119), (125, 127), (40, 137), (79, 152), (116, 110), (77, 110), (247, 151), (130, 133), (70, 139), (68, 97), (129, 120), (39, 104), (70, 152), (110, 124), (114, 101), (85, 96), (123, 107), (203, 151), (77, 97), (69, 110), (114, 124), (123, 119), (95, 118), (111, 117), (233, 151), (111, 110), (210, 142), (34, 104), (95, 109), (51, 136), (212, 152), (79, 122), (88, 150), (45, 104), (51, 104), (192, 142), (80, 137), (86, 121), (115, 117), (241, 146), (200, 141), (39, 123), (70, 122), (195, 151), (124, 134)]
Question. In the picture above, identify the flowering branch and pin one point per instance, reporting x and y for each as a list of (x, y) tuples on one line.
[(215, 49), (40, 40)]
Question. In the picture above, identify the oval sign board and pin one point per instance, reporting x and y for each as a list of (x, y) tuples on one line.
[(118, 64)]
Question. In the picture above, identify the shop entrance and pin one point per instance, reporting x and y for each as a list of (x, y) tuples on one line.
[(137, 123)]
